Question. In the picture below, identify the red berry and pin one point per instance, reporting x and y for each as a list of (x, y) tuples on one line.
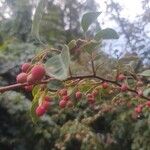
[(38, 72), (78, 95), (47, 98), (95, 93), (28, 88), (91, 100), (63, 92), (62, 103), (140, 92), (148, 103), (124, 87), (138, 109), (65, 97), (46, 104), (30, 79), (21, 78), (121, 77), (40, 111), (89, 96), (25, 67), (105, 85), (69, 104)]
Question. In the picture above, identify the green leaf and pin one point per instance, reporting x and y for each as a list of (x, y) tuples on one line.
[(107, 33), (55, 84), (58, 65), (72, 44), (35, 90), (145, 73), (37, 18), (128, 59), (34, 106), (65, 55), (88, 19), (146, 92), (90, 46)]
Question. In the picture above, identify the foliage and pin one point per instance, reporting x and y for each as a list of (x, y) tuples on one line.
[(105, 116)]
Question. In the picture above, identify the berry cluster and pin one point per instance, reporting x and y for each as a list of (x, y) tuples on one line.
[(44, 106), (31, 75), (138, 109), (64, 99)]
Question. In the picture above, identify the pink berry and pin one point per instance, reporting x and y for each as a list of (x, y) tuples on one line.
[(105, 85), (21, 78), (89, 96), (63, 92), (148, 103), (38, 72), (46, 104), (78, 95), (138, 109), (124, 87), (95, 93), (40, 111), (62, 103), (91, 100), (121, 77), (30, 79), (25, 67), (28, 88), (65, 97), (47, 98), (69, 104)]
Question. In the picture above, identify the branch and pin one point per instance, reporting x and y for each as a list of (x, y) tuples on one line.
[(93, 67), (18, 85)]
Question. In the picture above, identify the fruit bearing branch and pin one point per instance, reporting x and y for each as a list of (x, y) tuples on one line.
[(18, 85)]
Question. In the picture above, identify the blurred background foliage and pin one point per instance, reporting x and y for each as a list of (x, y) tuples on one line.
[(28, 25)]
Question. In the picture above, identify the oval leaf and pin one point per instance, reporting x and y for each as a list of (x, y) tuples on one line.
[(88, 19), (146, 92), (58, 65), (55, 84), (56, 68), (72, 44), (145, 73), (107, 33), (65, 55), (90, 46), (34, 105)]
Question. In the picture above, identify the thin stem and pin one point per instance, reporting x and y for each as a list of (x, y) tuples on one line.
[(93, 67)]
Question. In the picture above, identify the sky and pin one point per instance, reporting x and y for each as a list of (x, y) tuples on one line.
[(131, 8)]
